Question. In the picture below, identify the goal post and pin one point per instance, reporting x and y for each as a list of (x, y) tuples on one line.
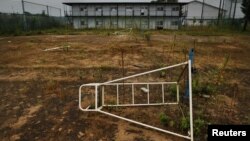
[(95, 97)]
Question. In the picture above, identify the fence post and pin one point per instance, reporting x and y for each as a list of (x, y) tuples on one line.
[(163, 95), (133, 94), (218, 20), (202, 12), (117, 94), (47, 10), (235, 4), (190, 99), (178, 93), (96, 96), (103, 95), (24, 16)]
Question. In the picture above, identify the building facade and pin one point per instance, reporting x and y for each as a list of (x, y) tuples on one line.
[(123, 14), (199, 13)]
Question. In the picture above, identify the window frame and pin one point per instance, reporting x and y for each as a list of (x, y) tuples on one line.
[(160, 8), (83, 9), (176, 8), (83, 22), (98, 9), (113, 9), (129, 9), (174, 23)]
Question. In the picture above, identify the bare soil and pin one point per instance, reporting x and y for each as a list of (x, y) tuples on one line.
[(39, 89)]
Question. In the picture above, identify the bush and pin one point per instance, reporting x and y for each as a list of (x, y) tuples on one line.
[(185, 124), (13, 24), (164, 119), (198, 125), (202, 88)]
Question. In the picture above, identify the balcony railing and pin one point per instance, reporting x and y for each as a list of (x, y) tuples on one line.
[(167, 13)]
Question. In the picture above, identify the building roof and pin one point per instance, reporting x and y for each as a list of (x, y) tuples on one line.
[(71, 2), (206, 4)]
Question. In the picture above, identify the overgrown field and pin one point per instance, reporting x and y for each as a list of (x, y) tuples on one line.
[(39, 89)]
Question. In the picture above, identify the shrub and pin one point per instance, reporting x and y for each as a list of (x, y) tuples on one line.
[(198, 125), (164, 119), (185, 124), (202, 88)]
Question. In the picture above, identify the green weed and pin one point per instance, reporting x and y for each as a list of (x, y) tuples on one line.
[(164, 119)]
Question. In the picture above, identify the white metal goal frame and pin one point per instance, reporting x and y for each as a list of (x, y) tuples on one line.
[(114, 83)]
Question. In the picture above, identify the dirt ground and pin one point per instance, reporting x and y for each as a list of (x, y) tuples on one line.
[(39, 89)]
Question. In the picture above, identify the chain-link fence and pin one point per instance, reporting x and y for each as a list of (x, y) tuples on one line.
[(34, 17), (237, 23), (220, 13), (40, 9), (15, 23)]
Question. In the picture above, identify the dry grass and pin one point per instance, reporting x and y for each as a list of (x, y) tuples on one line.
[(29, 76)]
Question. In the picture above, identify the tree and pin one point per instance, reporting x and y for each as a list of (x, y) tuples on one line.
[(246, 10)]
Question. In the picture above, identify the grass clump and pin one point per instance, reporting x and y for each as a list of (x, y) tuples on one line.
[(198, 125), (184, 124), (164, 119)]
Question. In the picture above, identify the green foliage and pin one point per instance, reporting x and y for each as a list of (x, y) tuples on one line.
[(184, 124), (246, 8), (173, 90), (198, 125), (13, 24), (201, 87), (163, 74), (225, 28), (217, 75), (164, 119)]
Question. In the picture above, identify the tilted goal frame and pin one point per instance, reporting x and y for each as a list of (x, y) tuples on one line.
[(114, 83)]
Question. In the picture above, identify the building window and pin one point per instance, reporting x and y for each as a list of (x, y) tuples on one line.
[(129, 9), (174, 23), (160, 8), (83, 23), (142, 13), (98, 23), (144, 22), (143, 10), (83, 9), (159, 23), (113, 23), (175, 9), (113, 9), (98, 9)]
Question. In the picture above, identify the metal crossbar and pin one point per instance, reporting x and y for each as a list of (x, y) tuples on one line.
[(162, 84), (118, 104)]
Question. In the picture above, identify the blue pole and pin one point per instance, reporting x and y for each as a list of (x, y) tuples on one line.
[(191, 58)]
